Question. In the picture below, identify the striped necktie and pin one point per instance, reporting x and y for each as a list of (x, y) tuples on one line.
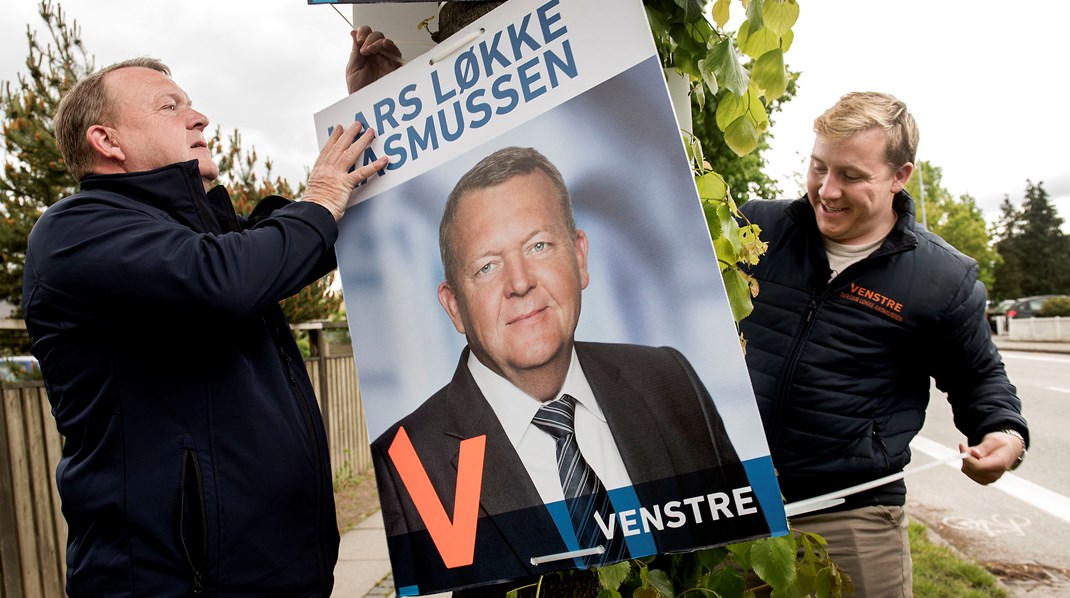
[(584, 493)]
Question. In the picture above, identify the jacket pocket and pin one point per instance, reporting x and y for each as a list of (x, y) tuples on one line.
[(882, 447), (193, 516)]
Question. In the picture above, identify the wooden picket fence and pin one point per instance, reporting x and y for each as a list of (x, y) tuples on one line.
[(33, 534)]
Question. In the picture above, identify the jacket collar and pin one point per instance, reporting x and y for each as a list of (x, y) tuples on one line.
[(176, 189), (901, 237)]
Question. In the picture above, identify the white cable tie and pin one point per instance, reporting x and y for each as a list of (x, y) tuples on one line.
[(807, 505), (572, 554), (456, 45)]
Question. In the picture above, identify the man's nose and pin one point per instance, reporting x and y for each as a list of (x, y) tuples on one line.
[(519, 277), (829, 188), (197, 120)]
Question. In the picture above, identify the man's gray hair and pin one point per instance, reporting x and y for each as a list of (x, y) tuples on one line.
[(86, 104)]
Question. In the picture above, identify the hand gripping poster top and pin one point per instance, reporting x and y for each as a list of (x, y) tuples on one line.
[(547, 359)]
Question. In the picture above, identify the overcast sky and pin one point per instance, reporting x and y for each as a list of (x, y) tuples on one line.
[(984, 79)]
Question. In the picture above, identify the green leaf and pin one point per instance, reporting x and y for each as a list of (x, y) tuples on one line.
[(740, 551), (768, 73), (756, 110), (785, 41), (787, 592), (708, 76), (729, 108), (754, 16), (756, 42), (723, 60), (711, 557), (713, 222), (726, 581), (741, 136), (659, 23), (692, 9), (699, 93), (730, 230), (753, 246), (611, 576), (774, 560), (739, 300), (711, 186), (646, 593), (780, 15), (823, 583), (660, 581), (720, 12)]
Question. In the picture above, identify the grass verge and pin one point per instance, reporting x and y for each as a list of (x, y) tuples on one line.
[(940, 573)]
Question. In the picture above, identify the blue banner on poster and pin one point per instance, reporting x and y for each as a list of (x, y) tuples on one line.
[(547, 358)]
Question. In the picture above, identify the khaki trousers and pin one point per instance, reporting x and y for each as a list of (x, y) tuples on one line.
[(870, 544)]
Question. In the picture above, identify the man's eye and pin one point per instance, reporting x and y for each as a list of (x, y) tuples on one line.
[(540, 246), (169, 107), (485, 269)]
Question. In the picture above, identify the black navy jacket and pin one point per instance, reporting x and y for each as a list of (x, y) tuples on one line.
[(194, 450), (841, 369)]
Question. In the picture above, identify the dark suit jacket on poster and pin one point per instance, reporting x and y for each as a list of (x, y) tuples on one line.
[(672, 441)]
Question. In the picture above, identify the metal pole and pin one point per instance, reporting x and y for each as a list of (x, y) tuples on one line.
[(921, 193)]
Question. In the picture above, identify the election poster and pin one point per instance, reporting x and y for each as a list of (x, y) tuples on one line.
[(548, 363)]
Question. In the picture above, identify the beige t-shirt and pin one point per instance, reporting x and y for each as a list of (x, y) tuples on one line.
[(842, 256)]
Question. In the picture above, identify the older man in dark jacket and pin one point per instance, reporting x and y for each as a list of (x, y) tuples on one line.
[(195, 459)]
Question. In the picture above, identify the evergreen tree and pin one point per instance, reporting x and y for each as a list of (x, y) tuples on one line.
[(1033, 247), (34, 175)]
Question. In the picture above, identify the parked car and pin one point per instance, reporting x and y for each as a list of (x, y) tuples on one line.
[(1028, 307), (19, 367), (998, 311)]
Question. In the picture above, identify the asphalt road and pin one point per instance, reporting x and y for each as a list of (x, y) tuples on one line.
[(1021, 524)]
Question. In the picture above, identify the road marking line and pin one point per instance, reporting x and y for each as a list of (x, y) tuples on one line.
[(1015, 486), (1056, 389), (1025, 357)]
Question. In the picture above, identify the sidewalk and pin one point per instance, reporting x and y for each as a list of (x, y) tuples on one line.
[(1005, 344), (362, 560), (363, 567)]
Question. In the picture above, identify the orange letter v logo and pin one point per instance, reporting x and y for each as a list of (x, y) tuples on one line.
[(456, 541)]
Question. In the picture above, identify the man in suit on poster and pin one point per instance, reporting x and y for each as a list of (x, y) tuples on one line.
[(643, 423)]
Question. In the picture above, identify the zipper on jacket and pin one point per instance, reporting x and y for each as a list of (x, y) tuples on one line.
[(310, 424), (879, 440), (191, 466), (783, 394)]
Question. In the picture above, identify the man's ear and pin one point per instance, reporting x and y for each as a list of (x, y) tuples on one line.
[(580, 245), (449, 302), (105, 143), (901, 176)]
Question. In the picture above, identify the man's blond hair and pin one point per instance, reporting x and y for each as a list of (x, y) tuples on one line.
[(87, 104), (863, 110)]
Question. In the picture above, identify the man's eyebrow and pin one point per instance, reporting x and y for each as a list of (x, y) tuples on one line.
[(180, 98)]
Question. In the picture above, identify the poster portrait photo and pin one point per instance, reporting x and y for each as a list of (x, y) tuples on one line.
[(583, 280)]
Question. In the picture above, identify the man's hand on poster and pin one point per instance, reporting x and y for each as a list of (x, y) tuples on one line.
[(333, 176), (988, 461), (373, 56)]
